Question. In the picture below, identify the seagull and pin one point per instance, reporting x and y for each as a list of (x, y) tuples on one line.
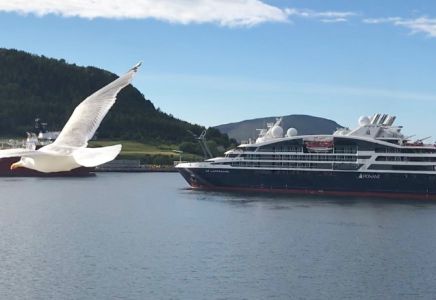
[(69, 150)]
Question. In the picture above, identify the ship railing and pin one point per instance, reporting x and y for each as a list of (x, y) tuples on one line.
[(300, 165), (176, 162), (300, 158), (345, 150)]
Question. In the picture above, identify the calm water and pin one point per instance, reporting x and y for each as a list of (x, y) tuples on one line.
[(146, 236)]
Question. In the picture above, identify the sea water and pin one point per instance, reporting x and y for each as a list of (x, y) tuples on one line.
[(148, 236)]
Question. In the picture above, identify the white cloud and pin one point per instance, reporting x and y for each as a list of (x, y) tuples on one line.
[(423, 24), (222, 12), (323, 16), (336, 20), (381, 20), (418, 25)]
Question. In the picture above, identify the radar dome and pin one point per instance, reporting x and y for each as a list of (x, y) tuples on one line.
[(291, 132), (363, 121), (277, 131), (341, 131), (260, 140)]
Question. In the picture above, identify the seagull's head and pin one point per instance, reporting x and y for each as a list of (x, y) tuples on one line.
[(24, 162), (18, 164)]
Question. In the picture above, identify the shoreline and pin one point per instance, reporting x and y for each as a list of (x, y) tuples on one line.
[(133, 166), (136, 170)]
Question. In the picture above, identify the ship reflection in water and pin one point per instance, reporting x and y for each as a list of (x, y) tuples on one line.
[(145, 236)]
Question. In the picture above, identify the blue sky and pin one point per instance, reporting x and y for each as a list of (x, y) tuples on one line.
[(213, 62)]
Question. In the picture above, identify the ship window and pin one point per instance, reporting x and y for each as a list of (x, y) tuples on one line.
[(412, 168), (380, 167), (400, 167), (345, 149), (429, 159), (346, 166), (364, 157), (406, 158), (321, 165)]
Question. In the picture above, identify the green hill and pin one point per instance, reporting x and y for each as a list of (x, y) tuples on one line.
[(36, 86)]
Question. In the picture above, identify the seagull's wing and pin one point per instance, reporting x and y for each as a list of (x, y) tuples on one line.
[(18, 152), (88, 115), (92, 157)]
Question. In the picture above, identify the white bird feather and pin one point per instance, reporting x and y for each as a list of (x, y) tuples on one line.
[(88, 115)]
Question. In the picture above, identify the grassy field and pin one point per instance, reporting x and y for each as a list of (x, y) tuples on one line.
[(148, 153), (136, 150)]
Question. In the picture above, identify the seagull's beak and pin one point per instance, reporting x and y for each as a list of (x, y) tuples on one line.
[(16, 165)]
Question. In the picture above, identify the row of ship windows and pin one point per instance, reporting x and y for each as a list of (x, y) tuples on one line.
[(345, 150), (399, 150), (300, 149), (401, 168), (332, 158), (405, 158), (303, 157), (328, 166), (281, 149)]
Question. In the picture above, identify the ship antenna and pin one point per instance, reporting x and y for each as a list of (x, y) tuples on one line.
[(202, 141)]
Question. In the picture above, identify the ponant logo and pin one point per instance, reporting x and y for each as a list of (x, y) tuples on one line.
[(369, 176)]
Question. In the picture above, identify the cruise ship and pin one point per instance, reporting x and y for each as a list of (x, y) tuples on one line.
[(374, 159)]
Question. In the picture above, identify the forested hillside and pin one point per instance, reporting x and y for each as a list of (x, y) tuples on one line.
[(36, 86)]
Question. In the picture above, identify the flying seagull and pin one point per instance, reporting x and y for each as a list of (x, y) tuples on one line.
[(69, 150)]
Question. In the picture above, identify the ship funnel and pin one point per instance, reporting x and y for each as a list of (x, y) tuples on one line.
[(386, 120), (389, 121), (375, 118), (382, 119)]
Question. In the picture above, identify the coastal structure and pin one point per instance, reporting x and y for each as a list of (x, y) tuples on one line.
[(373, 159)]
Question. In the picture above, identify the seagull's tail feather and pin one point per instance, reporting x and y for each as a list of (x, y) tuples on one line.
[(92, 157)]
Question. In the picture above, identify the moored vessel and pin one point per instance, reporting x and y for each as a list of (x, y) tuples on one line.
[(34, 141), (69, 151), (373, 159)]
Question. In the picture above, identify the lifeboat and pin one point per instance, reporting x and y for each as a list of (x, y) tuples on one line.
[(319, 145)]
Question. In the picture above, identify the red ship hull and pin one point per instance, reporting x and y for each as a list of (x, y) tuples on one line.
[(5, 171)]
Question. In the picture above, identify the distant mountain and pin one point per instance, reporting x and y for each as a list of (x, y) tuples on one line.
[(33, 86), (303, 123)]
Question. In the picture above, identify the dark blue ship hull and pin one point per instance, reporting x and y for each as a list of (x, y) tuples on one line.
[(314, 182)]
